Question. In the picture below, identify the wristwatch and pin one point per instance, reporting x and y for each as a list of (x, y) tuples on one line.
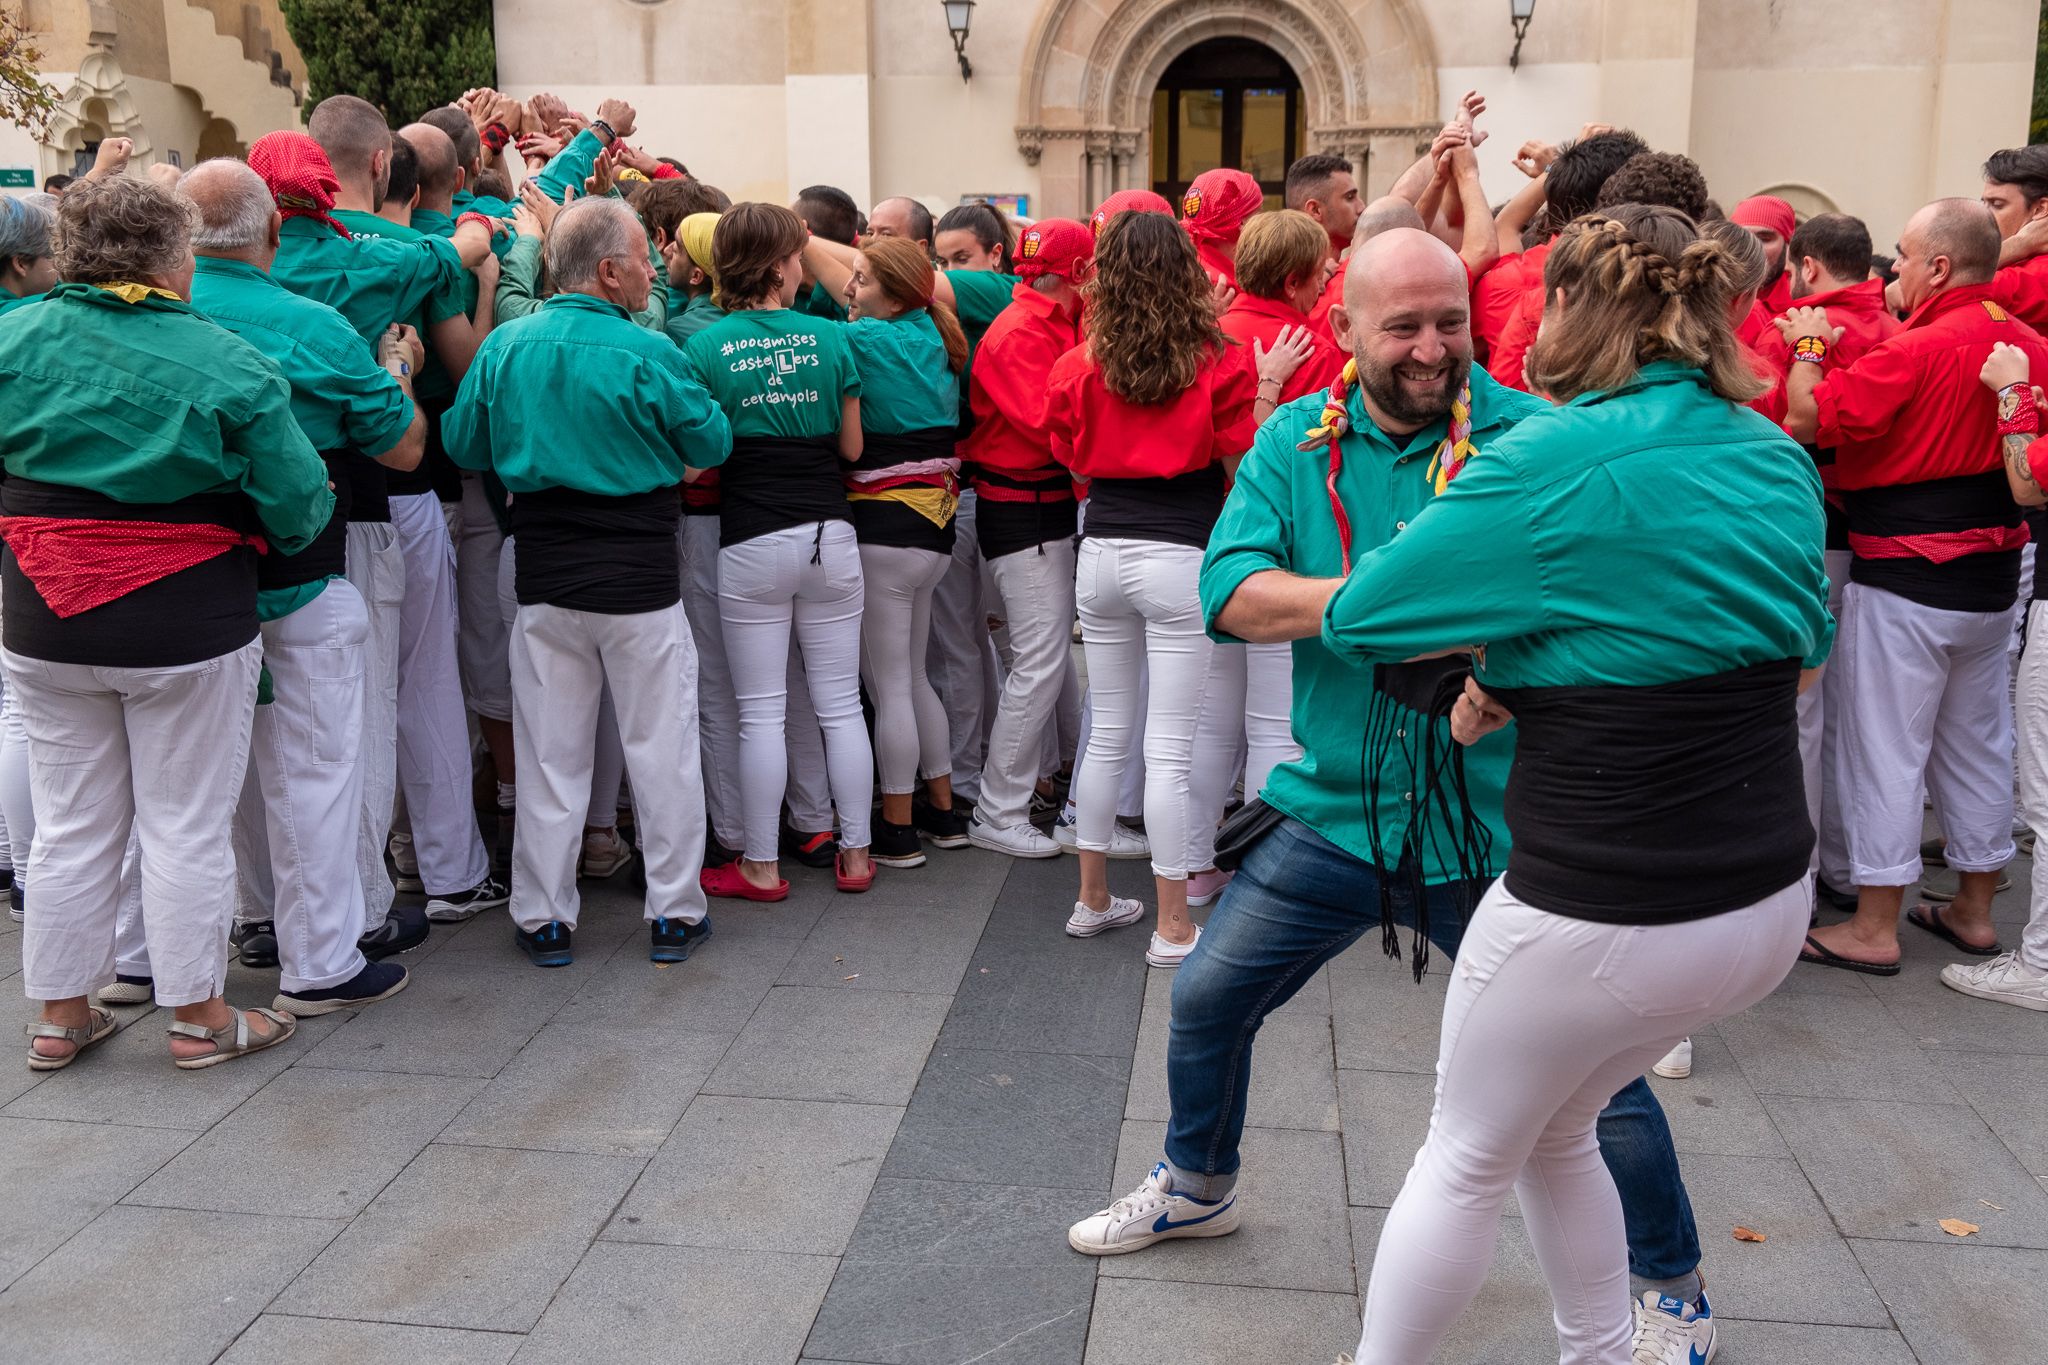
[(403, 369), (611, 134)]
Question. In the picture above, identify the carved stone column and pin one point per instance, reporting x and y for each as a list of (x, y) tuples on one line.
[(1124, 149), (1097, 178)]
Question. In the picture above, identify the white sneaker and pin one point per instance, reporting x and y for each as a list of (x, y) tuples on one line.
[(1677, 1063), (1086, 923), (1164, 954), (1152, 1213), (2004, 978), (1671, 1332), (1124, 842), (1020, 840)]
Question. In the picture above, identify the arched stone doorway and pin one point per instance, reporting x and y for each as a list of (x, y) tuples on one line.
[(1227, 102), (1366, 71)]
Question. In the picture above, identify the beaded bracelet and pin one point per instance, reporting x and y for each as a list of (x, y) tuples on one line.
[(1811, 349)]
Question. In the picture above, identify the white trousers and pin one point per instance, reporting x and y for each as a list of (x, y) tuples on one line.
[(961, 658), (1245, 725), (160, 751), (1929, 693), (718, 714), (15, 798), (2032, 704), (1035, 590), (1820, 728), (376, 569), (561, 661), (805, 581), (912, 738), (1547, 1017), (482, 641), (1130, 792), (809, 787), (434, 763), (1141, 611), (295, 844)]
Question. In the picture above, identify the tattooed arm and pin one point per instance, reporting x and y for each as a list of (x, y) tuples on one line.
[(2005, 372)]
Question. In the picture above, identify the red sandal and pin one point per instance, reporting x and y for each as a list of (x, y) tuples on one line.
[(852, 885), (729, 882)]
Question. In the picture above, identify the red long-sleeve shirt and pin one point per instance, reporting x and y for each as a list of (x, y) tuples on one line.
[(1099, 435), (1007, 389), (1250, 319), (2022, 289), (1858, 309), (1499, 292)]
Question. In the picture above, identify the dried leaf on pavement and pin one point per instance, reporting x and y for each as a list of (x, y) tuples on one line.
[(1956, 1227), (1748, 1235)]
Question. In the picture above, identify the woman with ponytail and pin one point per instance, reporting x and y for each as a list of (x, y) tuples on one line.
[(905, 487), (1638, 574)]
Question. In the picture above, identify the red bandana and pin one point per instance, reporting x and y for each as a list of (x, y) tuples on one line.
[(1216, 206), (1054, 246), (300, 176), (1132, 201)]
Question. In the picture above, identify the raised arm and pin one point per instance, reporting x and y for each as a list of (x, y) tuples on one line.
[(2006, 373)]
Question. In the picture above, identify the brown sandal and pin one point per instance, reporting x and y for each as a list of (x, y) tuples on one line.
[(233, 1040), (98, 1027)]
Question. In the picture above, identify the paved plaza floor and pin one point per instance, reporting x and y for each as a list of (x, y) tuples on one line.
[(854, 1129)]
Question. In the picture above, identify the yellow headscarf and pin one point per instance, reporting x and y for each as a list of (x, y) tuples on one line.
[(694, 232)]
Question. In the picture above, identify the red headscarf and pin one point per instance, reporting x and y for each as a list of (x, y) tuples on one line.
[(1132, 201), (1054, 246), (1765, 211), (1216, 206), (300, 176)]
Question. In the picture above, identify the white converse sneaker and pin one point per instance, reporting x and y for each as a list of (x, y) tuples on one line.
[(1020, 840), (2004, 978), (1672, 1332), (1086, 923), (1677, 1063), (1152, 1213), (1164, 954), (1124, 842)]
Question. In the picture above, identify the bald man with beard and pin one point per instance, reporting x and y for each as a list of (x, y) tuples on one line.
[(1347, 820)]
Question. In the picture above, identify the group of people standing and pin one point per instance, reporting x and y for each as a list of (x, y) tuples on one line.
[(382, 471)]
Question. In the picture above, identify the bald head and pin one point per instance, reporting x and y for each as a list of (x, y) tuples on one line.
[(437, 164), (901, 217), (1962, 230), (1402, 260), (1385, 215), (1407, 321), (469, 148), (236, 217)]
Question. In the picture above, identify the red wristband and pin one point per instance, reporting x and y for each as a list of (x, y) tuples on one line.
[(495, 136), (2017, 414), (664, 171), (489, 225)]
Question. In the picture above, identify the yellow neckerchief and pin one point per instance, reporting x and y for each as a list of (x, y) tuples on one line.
[(129, 292)]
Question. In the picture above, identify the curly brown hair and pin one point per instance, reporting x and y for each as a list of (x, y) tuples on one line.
[(121, 229), (1151, 318), (748, 249), (1641, 284)]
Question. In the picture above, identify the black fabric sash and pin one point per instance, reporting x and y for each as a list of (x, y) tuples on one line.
[(369, 489), (887, 449), (1971, 582), (589, 552), (327, 556), (1655, 805), (771, 483)]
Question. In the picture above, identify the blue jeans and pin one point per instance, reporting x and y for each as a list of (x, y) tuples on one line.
[(1297, 902)]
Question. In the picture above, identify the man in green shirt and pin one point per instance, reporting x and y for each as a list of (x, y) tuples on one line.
[(592, 423), (1352, 824), (296, 829), (27, 269)]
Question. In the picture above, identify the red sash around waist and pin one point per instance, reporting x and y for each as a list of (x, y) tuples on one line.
[(78, 564)]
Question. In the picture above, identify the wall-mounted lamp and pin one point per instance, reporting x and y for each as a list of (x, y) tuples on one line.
[(1521, 11), (960, 13)]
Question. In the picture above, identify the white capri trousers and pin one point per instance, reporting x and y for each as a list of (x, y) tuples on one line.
[(1035, 591), (376, 569), (718, 714), (2032, 707), (1546, 1019), (161, 751), (1246, 716), (1929, 693), (912, 739), (1141, 615), (295, 845), (15, 798), (561, 661), (805, 580)]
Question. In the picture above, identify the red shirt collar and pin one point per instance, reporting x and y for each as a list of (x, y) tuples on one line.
[(1948, 301), (1865, 296), (1043, 307), (1279, 310)]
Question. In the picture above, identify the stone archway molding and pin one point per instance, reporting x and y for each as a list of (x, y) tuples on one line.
[(99, 78)]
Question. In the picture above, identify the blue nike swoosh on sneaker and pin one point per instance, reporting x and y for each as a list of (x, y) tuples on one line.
[(1699, 1357), (1165, 1221)]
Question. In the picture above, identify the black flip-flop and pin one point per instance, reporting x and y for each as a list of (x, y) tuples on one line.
[(1819, 955), (1931, 922)]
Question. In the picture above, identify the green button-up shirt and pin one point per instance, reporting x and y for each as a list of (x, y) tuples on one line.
[(384, 274), (577, 396), (1651, 534), (519, 286), (694, 316), (906, 380), (341, 397), (1278, 516), (151, 403), (10, 302)]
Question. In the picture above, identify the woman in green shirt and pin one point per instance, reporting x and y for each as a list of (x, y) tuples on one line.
[(787, 557), (1639, 574), (27, 269)]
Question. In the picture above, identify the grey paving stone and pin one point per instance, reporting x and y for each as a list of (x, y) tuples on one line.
[(1143, 1322), (992, 1227), (608, 923), (716, 991), (1714, 1110), (1790, 1343), (760, 1175), (1294, 1077), (1031, 988), (313, 1143), (1958, 1303), (61, 1176), (1312, 998), (130, 1078), (184, 1283), (1892, 1170), (864, 943), (1839, 1047), (680, 1306), (1509, 1320), (615, 1090), (1386, 1117), (450, 1021), (810, 1043), (2011, 1095), (1384, 1020), (1942, 1020), (278, 1339), (1801, 1272), (1021, 1118), (465, 1237), (1294, 1233)]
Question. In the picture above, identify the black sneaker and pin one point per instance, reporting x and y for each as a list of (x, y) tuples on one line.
[(1834, 898), (675, 939), (547, 946), (257, 943), (716, 854), (405, 930), (501, 851), (488, 894), (941, 828), (376, 981), (812, 850), (896, 845), (17, 902)]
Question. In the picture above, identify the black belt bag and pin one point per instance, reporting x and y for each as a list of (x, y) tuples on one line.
[(1238, 835)]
